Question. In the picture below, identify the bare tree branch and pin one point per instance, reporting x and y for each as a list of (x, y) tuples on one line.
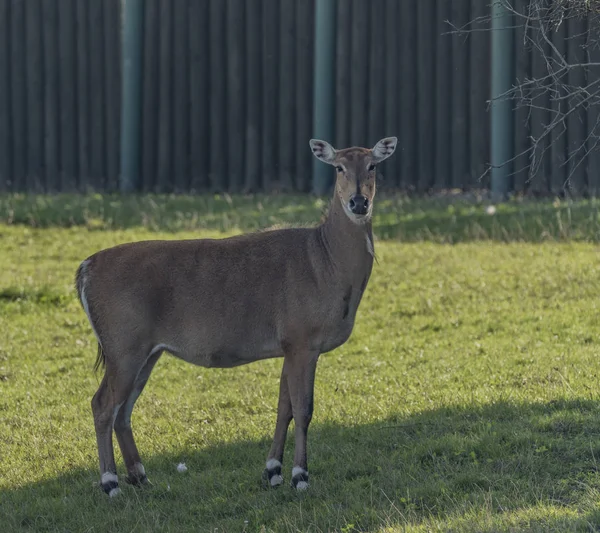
[(552, 91)]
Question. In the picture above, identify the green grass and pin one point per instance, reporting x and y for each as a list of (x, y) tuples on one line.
[(448, 219), (466, 400)]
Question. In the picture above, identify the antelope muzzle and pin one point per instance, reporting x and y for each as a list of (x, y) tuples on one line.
[(359, 204)]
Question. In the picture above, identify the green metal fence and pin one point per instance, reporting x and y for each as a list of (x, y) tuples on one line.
[(219, 95)]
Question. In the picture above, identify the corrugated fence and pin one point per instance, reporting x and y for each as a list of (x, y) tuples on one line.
[(60, 90), (228, 95)]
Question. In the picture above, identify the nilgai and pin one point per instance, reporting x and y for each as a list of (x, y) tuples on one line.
[(290, 293)]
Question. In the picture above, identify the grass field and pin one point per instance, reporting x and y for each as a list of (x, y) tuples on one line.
[(467, 398)]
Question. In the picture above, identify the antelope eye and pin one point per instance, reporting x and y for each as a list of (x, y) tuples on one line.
[(339, 169), (371, 167)]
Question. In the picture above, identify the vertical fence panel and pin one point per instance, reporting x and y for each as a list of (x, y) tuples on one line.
[(460, 98), (112, 90), (199, 60), (270, 100), (97, 100), (375, 73), (426, 93), (376, 88), (35, 95), (390, 93), (287, 88), (479, 94), (164, 175), (253, 96), (360, 44), (235, 94), (18, 88), (150, 97), (304, 94), (342, 78), (558, 147), (228, 90), (376, 77), (443, 100), (576, 123), (218, 163), (181, 108), (593, 118), (83, 95), (68, 139), (408, 94), (5, 126), (522, 129), (51, 129)]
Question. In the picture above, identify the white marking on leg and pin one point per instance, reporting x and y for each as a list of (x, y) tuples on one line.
[(272, 464), (297, 470), (276, 480), (109, 477), (139, 470)]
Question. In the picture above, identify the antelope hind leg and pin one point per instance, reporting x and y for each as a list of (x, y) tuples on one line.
[(136, 474), (105, 407)]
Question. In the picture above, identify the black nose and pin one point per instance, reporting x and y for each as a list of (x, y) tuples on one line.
[(359, 205)]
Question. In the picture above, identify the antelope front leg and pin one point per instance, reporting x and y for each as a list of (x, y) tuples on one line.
[(301, 384), (272, 473)]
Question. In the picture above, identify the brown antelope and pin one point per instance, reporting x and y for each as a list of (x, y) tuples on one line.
[(290, 293)]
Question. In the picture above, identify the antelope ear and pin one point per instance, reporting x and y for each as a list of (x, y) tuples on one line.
[(384, 149), (322, 150)]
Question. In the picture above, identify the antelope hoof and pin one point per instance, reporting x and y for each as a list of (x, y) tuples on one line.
[(139, 482), (272, 474), (137, 476), (110, 484), (299, 478)]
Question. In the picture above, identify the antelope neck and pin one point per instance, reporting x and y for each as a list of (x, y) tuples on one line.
[(349, 245)]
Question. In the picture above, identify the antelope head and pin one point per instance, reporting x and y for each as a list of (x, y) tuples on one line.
[(355, 174)]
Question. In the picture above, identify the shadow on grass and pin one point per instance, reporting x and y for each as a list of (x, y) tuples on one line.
[(441, 219), (500, 467)]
